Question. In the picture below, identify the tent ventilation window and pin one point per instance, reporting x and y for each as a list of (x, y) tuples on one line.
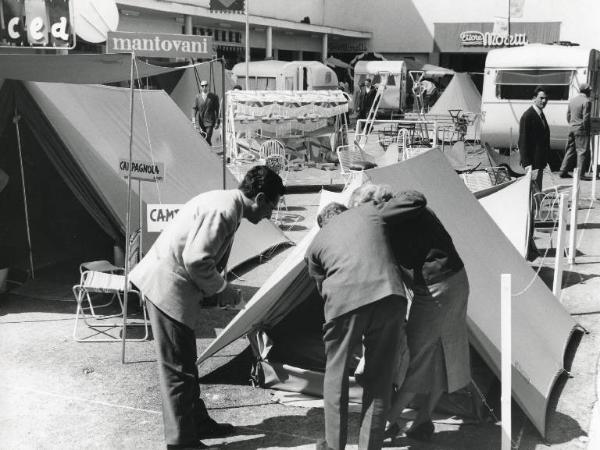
[(519, 84)]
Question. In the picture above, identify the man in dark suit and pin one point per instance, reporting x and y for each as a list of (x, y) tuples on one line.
[(534, 136), (367, 100), (206, 110), (364, 302), (578, 142)]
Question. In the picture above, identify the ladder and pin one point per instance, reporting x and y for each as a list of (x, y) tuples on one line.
[(361, 135), (416, 77)]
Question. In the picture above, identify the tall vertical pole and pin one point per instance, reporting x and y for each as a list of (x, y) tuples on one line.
[(573, 220), (508, 20), (25, 205), (128, 215), (247, 45), (223, 123), (506, 359)]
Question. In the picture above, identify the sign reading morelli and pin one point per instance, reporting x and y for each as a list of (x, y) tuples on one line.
[(487, 39), (160, 45)]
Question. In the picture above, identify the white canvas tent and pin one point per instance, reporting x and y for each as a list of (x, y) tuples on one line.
[(84, 132), (461, 94), (538, 351)]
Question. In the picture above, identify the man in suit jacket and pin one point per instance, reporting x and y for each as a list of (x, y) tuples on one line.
[(534, 136), (206, 110), (364, 302), (178, 273), (367, 100), (578, 142)]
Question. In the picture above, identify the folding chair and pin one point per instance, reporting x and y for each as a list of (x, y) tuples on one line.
[(110, 282)]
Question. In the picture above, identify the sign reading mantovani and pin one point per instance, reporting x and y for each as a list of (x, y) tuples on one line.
[(142, 170), (487, 39), (161, 45), (158, 216)]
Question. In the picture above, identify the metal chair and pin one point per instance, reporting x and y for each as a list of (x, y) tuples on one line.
[(280, 165), (110, 282), (272, 147), (352, 161)]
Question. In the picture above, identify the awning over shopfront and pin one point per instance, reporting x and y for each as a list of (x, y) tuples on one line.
[(79, 69)]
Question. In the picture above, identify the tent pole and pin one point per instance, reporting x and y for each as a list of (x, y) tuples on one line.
[(26, 208), (128, 215), (223, 121)]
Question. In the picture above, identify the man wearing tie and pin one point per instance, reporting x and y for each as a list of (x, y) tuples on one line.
[(206, 110), (534, 136)]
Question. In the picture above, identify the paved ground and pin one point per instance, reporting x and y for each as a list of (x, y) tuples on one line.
[(59, 394)]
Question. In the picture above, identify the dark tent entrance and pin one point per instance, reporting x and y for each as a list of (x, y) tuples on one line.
[(62, 232)]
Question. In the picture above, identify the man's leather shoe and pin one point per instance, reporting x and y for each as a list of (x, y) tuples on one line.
[(191, 447), (422, 432), (211, 429), (565, 175), (585, 178)]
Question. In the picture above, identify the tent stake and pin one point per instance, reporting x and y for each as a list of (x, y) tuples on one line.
[(26, 208)]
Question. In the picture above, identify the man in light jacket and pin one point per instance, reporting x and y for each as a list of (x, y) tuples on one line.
[(578, 142), (180, 271)]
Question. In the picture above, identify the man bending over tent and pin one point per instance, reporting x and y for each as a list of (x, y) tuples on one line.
[(179, 272), (364, 301)]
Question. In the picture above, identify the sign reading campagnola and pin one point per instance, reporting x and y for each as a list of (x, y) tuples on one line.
[(160, 45), (487, 39)]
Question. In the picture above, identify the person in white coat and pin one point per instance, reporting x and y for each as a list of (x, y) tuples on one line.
[(180, 271)]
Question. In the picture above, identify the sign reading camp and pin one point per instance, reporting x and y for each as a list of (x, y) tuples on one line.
[(160, 45), (36, 23), (158, 216), (143, 170)]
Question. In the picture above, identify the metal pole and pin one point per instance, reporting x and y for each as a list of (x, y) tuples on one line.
[(26, 208), (128, 215), (223, 123), (560, 246), (247, 45), (506, 359), (573, 224)]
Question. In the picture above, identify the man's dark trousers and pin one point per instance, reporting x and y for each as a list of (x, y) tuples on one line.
[(577, 149), (378, 325), (183, 409), (209, 132)]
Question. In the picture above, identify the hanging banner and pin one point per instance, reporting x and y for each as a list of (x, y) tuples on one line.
[(234, 6), (158, 216), (142, 170), (160, 45), (36, 23)]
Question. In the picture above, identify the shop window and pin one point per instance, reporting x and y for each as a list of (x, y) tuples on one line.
[(520, 84)]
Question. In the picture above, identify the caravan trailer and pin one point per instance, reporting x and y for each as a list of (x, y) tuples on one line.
[(285, 75), (394, 96), (512, 74)]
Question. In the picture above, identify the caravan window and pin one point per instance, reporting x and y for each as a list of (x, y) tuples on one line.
[(258, 83), (519, 84)]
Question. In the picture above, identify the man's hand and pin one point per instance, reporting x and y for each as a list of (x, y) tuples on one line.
[(228, 296)]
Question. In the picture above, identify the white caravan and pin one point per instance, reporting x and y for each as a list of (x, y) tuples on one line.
[(511, 76), (394, 96), (285, 75)]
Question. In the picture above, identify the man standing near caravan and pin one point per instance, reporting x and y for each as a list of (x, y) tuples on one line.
[(206, 111), (534, 136), (578, 142)]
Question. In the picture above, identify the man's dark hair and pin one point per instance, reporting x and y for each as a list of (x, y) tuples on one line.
[(237, 87), (328, 212), (539, 89), (262, 179)]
